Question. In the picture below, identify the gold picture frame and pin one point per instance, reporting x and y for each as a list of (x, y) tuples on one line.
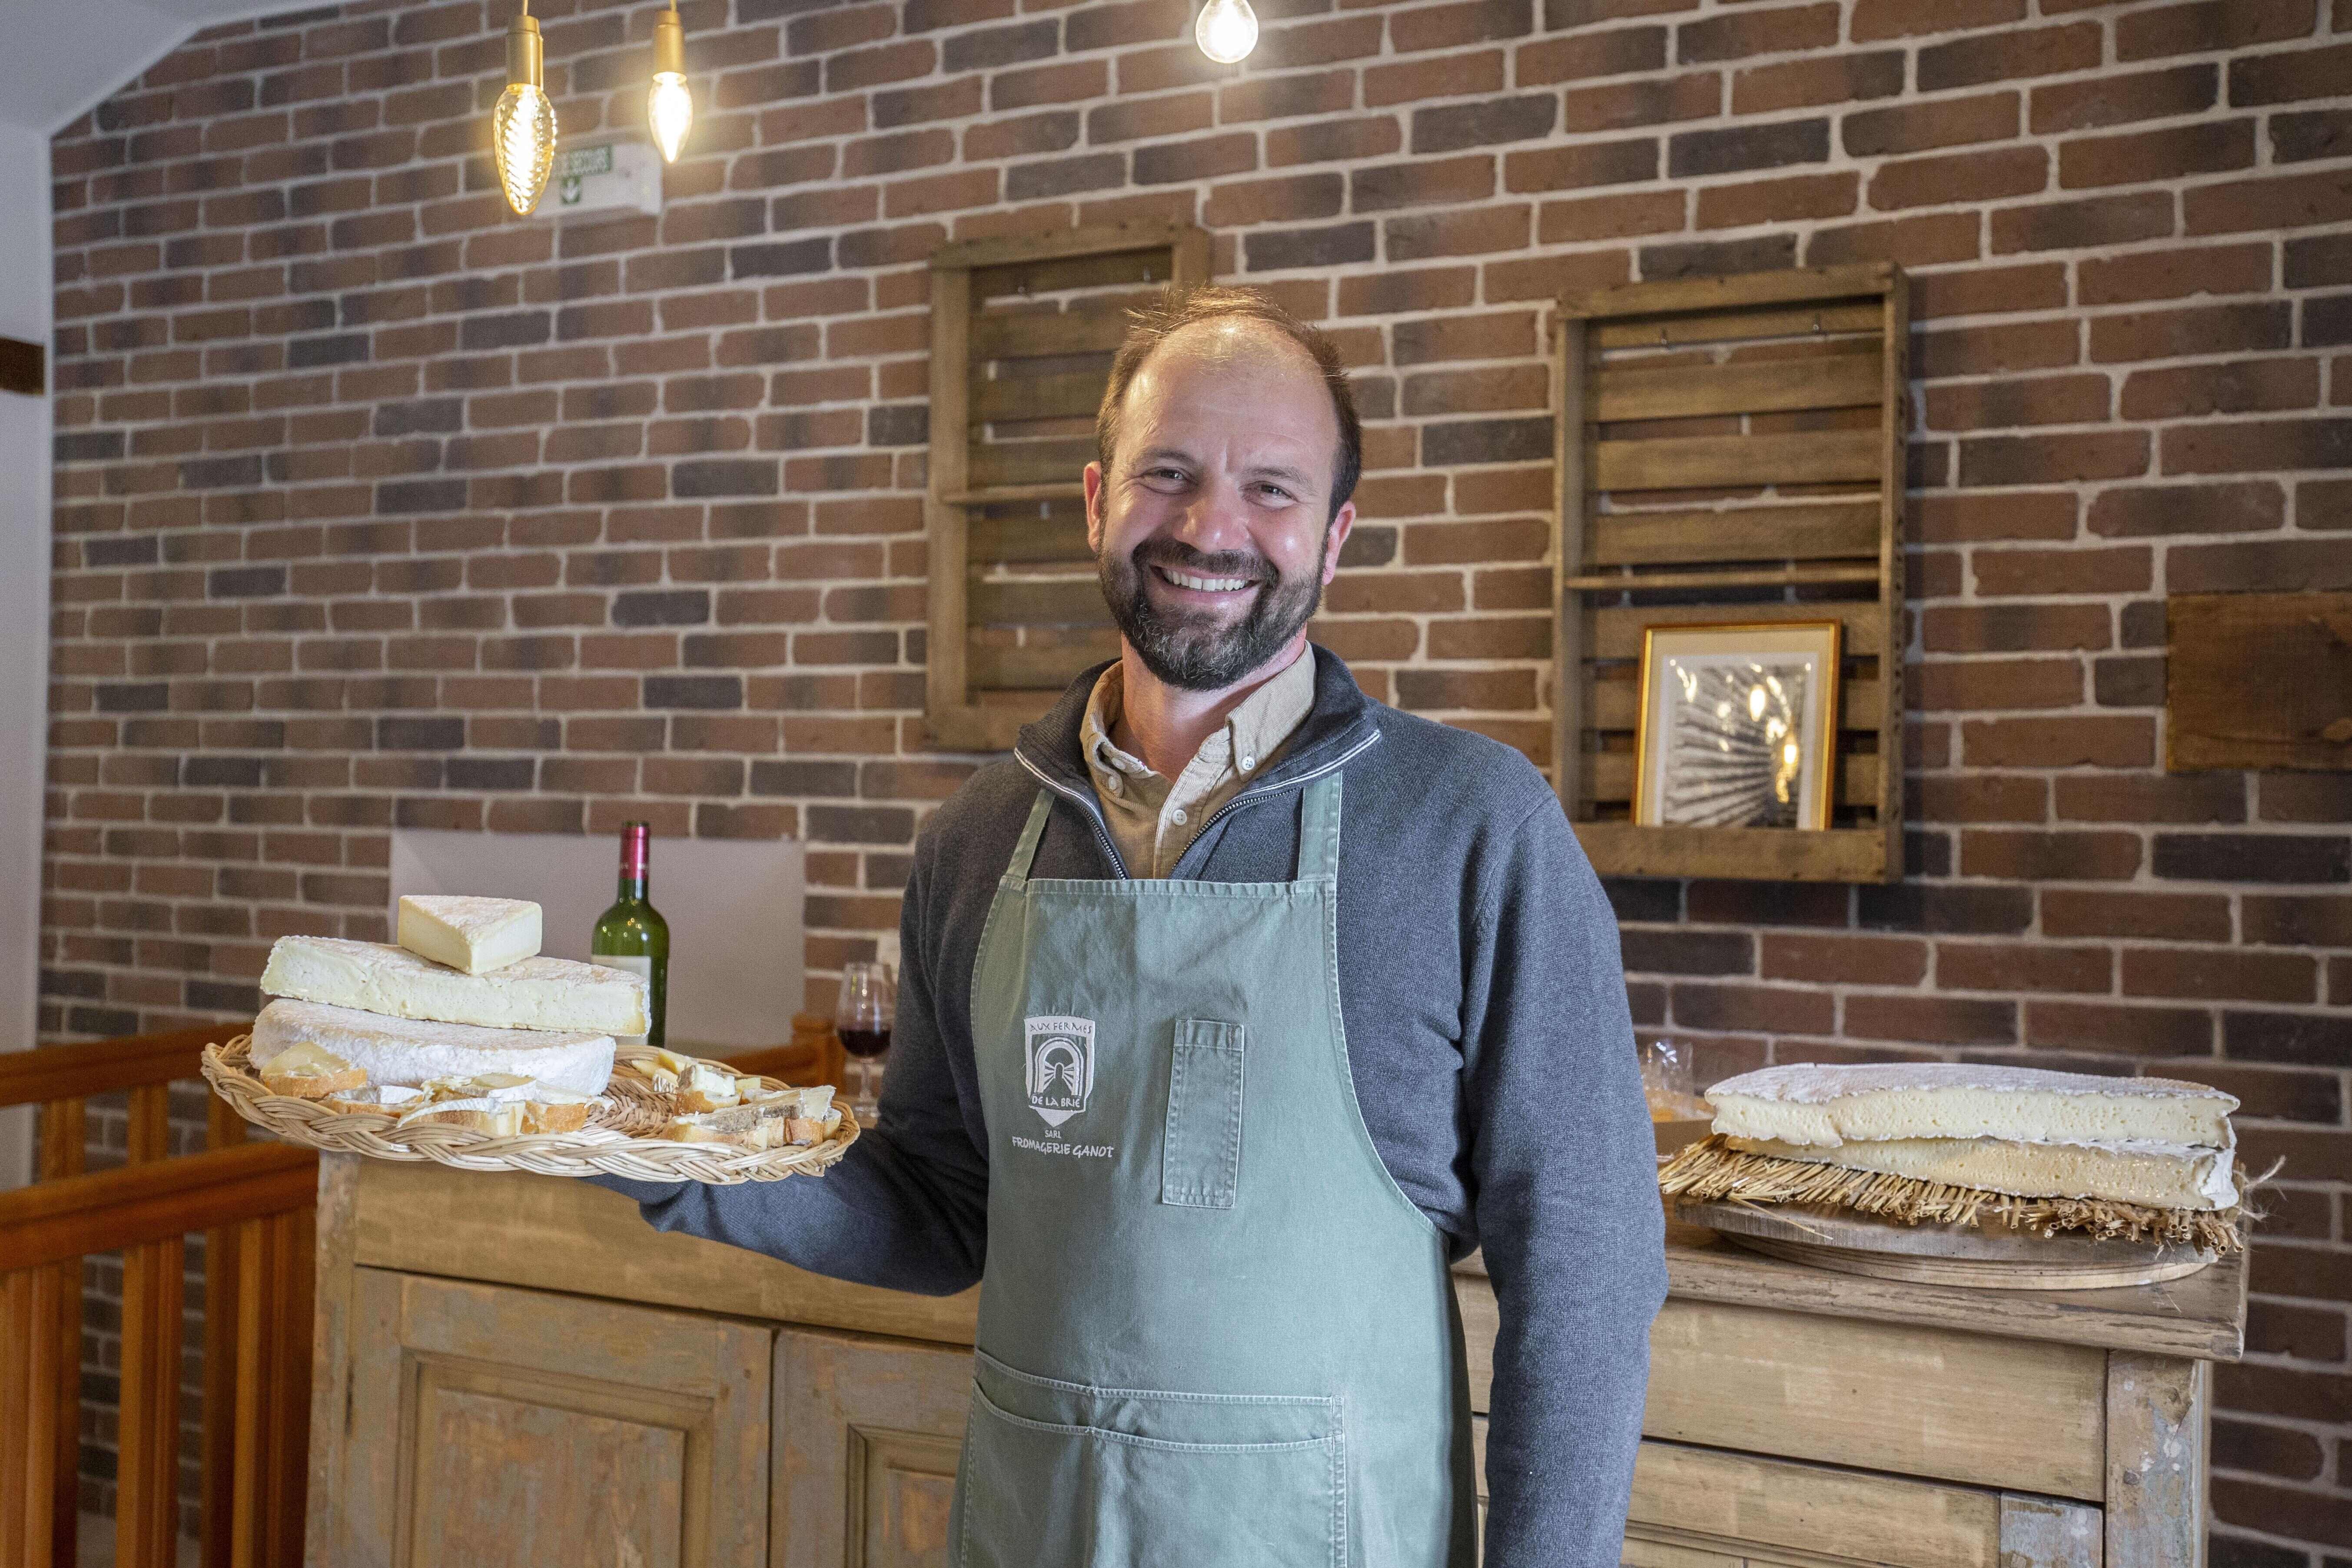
[(1737, 725)]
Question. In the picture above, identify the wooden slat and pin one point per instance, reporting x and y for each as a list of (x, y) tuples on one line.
[(52, 1222), (272, 1411), (1737, 1503), (997, 252), (148, 1444), (1609, 776), (1895, 328), (1734, 291), (2157, 1485), (1059, 461), (64, 1130), (1737, 326), (1616, 632), (1073, 395), (1071, 274), (1075, 601), (1740, 533), (150, 1134), (1061, 537), (1087, 328), (335, 1341), (1571, 464), (58, 1073), (943, 676), (1072, 492), (23, 1400), (1617, 705), (1702, 462), (1925, 1402), (1036, 668), (224, 1305), (1693, 580), (1833, 855), (1680, 392)]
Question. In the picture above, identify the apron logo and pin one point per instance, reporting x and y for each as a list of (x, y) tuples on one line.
[(1061, 1066)]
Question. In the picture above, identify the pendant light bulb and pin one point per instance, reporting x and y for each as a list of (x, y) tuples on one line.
[(522, 126), (669, 106), (1227, 30)]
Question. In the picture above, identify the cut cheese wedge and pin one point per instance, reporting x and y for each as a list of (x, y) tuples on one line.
[(403, 1051), (2162, 1175), (535, 993), (1823, 1107), (475, 935)]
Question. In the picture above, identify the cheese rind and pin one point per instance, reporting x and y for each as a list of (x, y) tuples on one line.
[(2163, 1176), (403, 1051), (1823, 1107), (535, 993), (475, 935)]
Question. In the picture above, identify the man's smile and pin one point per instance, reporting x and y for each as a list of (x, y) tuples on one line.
[(1200, 585)]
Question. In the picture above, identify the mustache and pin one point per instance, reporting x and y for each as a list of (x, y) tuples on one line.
[(1175, 552)]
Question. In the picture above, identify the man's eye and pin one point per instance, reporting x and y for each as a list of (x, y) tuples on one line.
[(1277, 491)]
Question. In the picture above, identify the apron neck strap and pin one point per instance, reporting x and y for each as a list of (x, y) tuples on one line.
[(1016, 871), (1319, 830)]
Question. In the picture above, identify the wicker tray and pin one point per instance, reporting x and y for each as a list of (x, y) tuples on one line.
[(615, 1143)]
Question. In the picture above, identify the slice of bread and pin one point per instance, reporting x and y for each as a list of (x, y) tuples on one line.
[(308, 1072), (381, 1100), (498, 1117)]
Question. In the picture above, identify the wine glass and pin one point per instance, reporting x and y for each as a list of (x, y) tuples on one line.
[(862, 1016)]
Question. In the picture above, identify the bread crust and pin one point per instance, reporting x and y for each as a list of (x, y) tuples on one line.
[(314, 1085)]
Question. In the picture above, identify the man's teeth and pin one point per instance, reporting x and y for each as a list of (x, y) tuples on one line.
[(1205, 584)]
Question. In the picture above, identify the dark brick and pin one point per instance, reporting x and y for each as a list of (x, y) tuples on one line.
[(1945, 910), (1284, 249), (1449, 128), (144, 697), (444, 732), (804, 778), (244, 582), (2251, 857), (985, 48), (221, 473), (787, 258), (340, 348), (695, 692), (1687, 952), (713, 477), (1763, 253), (400, 497), (1694, 153), (511, 330), (491, 772), (2297, 1039), (1485, 441), (1644, 898), (665, 607)]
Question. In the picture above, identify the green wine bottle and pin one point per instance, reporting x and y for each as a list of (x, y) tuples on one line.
[(632, 934)]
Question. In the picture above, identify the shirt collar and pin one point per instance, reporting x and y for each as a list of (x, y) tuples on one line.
[(1252, 733)]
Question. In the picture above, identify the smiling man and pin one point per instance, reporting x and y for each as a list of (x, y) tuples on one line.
[(1236, 1006)]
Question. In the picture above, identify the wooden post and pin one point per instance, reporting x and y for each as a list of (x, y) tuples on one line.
[(222, 1286), (147, 1471), (2157, 1411), (335, 1283)]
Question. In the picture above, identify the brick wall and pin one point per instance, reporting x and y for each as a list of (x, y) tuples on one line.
[(378, 507)]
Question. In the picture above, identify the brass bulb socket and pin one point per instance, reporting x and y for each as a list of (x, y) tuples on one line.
[(526, 53), (669, 43)]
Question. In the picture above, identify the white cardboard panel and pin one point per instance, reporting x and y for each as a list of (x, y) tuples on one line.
[(733, 908)]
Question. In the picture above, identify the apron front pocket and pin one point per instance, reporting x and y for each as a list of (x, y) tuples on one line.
[(1201, 1155), (1070, 1494)]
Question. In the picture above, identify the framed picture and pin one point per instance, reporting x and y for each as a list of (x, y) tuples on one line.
[(1738, 725)]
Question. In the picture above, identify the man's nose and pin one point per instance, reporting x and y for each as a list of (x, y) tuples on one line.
[(1218, 519)]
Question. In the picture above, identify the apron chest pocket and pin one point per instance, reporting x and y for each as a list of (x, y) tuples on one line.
[(1200, 1156)]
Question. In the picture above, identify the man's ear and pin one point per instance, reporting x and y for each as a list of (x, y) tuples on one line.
[(1336, 540), (1093, 480)]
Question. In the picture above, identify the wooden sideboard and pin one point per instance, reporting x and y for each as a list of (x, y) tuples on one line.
[(515, 1369)]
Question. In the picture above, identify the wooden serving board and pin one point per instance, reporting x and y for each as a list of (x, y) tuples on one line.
[(1995, 1258)]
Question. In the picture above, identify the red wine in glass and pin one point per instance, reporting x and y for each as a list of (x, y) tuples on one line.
[(865, 1043)]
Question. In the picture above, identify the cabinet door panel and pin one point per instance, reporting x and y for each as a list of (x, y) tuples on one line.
[(491, 1426), (867, 1435)]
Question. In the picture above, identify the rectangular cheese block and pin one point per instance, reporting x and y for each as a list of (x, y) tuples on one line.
[(404, 1051), (535, 993), (475, 935), (1826, 1106), (2161, 1176)]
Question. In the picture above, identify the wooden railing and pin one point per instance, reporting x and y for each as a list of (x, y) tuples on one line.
[(252, 1202)]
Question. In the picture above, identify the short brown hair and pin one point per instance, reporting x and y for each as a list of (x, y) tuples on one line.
[(1179, 307)]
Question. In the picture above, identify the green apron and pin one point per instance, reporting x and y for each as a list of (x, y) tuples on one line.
[(1213, 1331)]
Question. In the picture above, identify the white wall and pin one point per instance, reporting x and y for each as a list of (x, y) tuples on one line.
[(24, 304)]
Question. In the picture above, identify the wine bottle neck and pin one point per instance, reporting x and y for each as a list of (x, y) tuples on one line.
[(635, 852), (633, 888)]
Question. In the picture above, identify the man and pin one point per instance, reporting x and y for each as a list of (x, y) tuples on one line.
[(1234, 1006)]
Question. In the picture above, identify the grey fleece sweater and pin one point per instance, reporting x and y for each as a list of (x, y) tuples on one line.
[(1488, 1037)]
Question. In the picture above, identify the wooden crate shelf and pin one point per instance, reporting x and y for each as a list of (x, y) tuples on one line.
[(1731, 449), (1023, 331)]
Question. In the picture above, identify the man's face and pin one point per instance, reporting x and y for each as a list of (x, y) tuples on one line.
[(1213, 533)]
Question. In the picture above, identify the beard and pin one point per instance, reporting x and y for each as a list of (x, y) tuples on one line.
[(1202, 652)]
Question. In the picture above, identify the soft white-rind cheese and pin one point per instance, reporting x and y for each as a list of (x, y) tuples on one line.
[(535, 993), (1823, 1107), (475, 935), (405, 1051), (2163, 1176)]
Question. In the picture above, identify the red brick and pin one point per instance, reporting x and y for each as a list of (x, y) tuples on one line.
[(2022, 966), (1930, 1020), (2221, 974), (1983, 685), (1802, 83), (2245, 386), (2185, 917), (1785, 200), (2204, 25), (2174, 273), (1997, 404), (2141, 156), (1919, 127), (2010, 55), (2086, 740), (1845, 960), (2289, 201), (2134, 1031), (2091, 222)]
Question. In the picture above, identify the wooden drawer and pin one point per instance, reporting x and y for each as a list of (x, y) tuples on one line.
[(1699, 1508), (489, 1425), (1882, 1396)]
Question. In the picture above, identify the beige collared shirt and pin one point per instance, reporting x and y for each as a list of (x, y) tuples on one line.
[(1153, 820)]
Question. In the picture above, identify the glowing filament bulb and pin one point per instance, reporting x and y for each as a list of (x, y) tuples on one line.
[(522, 126), (669, 106), (1227, 30)]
